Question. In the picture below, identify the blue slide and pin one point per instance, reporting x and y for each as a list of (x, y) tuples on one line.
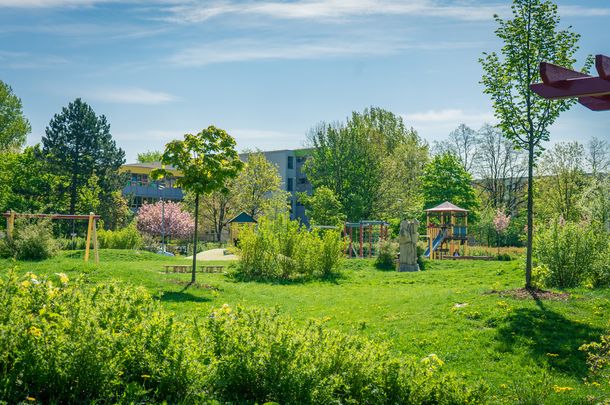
[(435, 243)]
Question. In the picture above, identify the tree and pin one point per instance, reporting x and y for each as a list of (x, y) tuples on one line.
[(599, 156), (26, 185), (14, 127), (445, 179), (150, 156), (532, 36), (165, 218), (207, 161), (323, 207), (501, 169), (78, 144), (358, 161), (462, 142), (114, 210), (562, 180), (501, 222), (259, 179), (216, 208)]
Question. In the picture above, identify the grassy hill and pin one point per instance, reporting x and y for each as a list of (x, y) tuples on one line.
[(520, 347)]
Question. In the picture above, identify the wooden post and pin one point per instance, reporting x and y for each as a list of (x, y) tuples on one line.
[(96, 251), (88, 242), (370, 240), (361, 241), (466, 234), (10, 226)]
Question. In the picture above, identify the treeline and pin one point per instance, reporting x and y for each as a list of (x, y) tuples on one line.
[(75, 169)]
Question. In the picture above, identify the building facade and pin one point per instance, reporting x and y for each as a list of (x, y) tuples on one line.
[(141, 189)]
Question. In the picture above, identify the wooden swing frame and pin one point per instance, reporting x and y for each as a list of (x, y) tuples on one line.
[(91, 228)]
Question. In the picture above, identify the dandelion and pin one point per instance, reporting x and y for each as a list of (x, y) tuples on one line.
[(552, 354), (31, 399), (145, 376), (26, 284)]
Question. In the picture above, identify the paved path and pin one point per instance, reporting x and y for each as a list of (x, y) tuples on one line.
[(214, 254)]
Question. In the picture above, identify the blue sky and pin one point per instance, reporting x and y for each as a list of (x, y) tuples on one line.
[(267, 71)]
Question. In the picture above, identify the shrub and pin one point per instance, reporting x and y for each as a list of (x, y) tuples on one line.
[(126, 238), (73, 342), (569, 251), (262, 357), (283, 249), (386, 259), (598, 357), (31, 241), (65, 342)]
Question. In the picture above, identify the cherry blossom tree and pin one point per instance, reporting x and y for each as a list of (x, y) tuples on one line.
[(165, 217), (501, 222)]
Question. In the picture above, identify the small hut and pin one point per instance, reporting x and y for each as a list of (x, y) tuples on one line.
[(235, 223), (447, 231)]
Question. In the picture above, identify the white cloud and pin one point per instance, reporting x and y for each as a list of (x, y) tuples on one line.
[(436, 124), (132, 96)]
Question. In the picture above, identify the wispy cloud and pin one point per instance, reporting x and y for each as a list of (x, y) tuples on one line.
[(132, 96), (26, 60), (436, 124), (242, 50), (334, 9)]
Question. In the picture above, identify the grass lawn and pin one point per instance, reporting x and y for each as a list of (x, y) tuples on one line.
[(518, 347)]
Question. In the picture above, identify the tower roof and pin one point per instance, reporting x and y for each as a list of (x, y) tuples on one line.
[(446, 207)]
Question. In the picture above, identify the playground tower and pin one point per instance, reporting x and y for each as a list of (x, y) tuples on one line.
[(446, 226)]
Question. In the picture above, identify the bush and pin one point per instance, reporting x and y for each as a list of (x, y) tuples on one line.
[(570, 251), (65, 342), (126, 238), (598, 358), (282, 249), (69, 342), (386, 259), (31, 241)]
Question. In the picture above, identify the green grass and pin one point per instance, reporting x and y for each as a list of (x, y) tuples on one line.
[(501, 340)]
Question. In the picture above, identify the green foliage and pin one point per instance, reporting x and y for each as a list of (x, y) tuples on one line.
[(126, 238), (31, 241), (372, 164), (598, 358), (268, 358), (66, 342), (570, 253), (386, 259), (63, 342), (323, 207), (14, 127), (444, 179), (531, 37), (78, 144), (252, 187), (114, 211), (150, 156), (279, 248), (27, 186)]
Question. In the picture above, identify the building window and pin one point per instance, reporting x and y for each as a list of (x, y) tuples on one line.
[(290, 185), (290, 162)]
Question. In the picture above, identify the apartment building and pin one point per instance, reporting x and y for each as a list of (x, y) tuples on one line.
[(140, 188)]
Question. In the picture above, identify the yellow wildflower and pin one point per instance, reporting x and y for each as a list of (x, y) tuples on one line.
[(29, 274), (552, 354), (145, 376), (35, 331), (26, 283), (63, 278), (558, 389), (31, 399)]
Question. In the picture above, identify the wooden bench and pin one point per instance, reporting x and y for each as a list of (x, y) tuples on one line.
[(185, 268), (211, 269), (178, 268)]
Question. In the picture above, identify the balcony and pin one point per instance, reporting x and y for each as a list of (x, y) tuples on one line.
[(137, 189)]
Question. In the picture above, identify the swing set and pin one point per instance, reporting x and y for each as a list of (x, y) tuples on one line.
[(363, 233), (91, 228)]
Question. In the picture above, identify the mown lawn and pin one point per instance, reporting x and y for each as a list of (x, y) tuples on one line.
[(518, 347)]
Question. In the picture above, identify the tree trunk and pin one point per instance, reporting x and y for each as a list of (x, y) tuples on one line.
[(194, 270), (530, 214)]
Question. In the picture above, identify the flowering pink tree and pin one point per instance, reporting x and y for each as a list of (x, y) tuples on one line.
[(501, 222), (177, 222)]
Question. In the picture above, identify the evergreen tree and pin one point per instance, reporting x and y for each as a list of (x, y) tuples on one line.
[(78, 144)]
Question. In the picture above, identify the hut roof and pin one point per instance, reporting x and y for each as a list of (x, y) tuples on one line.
[(242, 217), (446, 207)]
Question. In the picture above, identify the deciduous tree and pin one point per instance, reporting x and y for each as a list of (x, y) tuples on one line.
[(207, 160), (323, 207), (255, 183), (530, 37), (14, 127)]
